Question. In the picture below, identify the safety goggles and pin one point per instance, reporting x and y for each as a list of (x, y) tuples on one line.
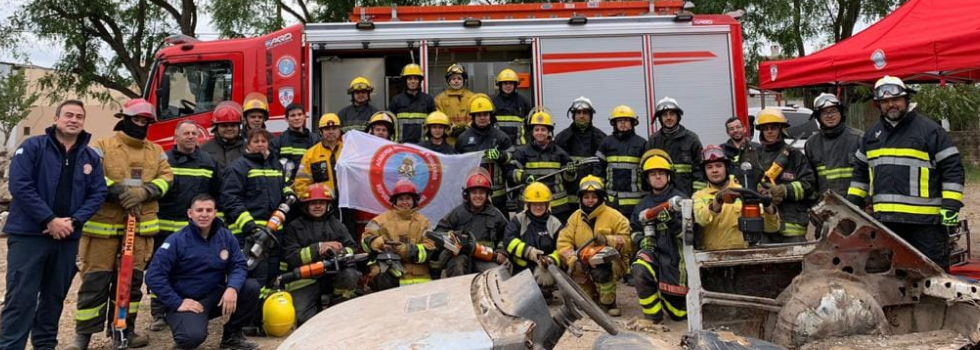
[(888, 91), (360, 87), (667, 106), (713, 154), (826, 101), (455, 69)]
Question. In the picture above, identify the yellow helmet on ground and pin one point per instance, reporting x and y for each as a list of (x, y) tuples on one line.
[(278, 314), (360, 84), (537, 192), (623, 111), (437, 118), (770, 116), (507, 75), (540, 116), (658, 162), (412, 70), (328, 120), (481, 103), (256, 101)]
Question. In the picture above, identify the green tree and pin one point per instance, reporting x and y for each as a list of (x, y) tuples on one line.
[(960, 103), (108, 43), (15, 101)]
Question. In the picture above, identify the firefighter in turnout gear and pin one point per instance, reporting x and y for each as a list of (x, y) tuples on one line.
[(912, 172), (580, 140), (456, 100), (658, 271), (831, 152), (412, 106), (511, 107), (194, 173), (541, 157), (256, 112), (137, 174), (290, 146), (792, 181), (532, 234), (619, 159), (311, 238), (494, 144), (400, 251), (356, 116), (319, 161), (476, 221), (437, 133), (228, 143), (682, 144), (717, 216), (595, 245), (382, 124)]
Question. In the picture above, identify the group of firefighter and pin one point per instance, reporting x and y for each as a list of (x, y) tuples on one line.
[(601, 207)]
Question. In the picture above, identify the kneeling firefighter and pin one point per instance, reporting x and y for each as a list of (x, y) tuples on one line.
[(531, 236), (658, 271), (396, 239), (477, 223), (314, 237), (595, 245)]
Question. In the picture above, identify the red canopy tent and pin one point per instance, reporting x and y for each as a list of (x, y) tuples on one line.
[(923, 40)]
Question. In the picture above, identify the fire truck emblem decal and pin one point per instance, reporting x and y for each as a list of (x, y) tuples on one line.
[(286, 95), (286, 66)]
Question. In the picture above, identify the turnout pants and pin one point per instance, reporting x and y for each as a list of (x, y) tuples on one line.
[(39, 272), (190, 330), (340, 286), (99, 263), (655, 295), (599, 282), (931, 240)]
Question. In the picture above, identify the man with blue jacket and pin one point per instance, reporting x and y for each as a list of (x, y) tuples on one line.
[(199, 273), (44, 232)]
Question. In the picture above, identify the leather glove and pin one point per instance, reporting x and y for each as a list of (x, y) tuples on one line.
[(570, 168), (528, 179), (249, 227), (263, 236), (333, 246), (115, 191), (600, 239), (951, 218), (778, 194), (133, 197), (533, 254), (546, 260), (375, 243), (492, 154)]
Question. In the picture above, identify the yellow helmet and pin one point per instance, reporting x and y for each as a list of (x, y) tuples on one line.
[(437, 118), (481, 103), (328, 119), (540, 116), (278, 314), (537, 192), (360, 84), (655, 152), (508, 75), (412, 70), (590, 183), (658, 162), (256, 101), (623, 111), (770, 116), (382, 117)]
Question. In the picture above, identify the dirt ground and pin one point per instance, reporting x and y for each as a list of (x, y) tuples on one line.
[(671, 332)]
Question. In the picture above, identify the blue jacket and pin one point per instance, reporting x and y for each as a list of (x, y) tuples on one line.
[(189, 267), (34, 172)]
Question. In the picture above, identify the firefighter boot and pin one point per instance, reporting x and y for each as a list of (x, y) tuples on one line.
[(135, 340), (607, 298), (81, 342), (159, 324), (237, 341)]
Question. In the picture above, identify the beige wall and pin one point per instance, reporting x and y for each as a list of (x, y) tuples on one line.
[(99, 119)]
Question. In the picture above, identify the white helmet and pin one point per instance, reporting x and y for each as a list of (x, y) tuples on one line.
[(889, 86)]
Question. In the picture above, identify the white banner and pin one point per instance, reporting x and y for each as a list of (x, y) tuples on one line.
[(369, 166)]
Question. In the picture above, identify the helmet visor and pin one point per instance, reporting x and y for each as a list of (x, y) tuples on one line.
[(826, 101), (667, 106), (713, 154), (888, 91)]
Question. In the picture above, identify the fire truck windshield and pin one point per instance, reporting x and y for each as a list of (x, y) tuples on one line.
[(192, 88)]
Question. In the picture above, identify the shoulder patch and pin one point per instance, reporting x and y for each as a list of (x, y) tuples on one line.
[(20, 150), (165, 245)]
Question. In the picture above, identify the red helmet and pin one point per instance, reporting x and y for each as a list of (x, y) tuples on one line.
[(227, 112), (478, 180), (138, 107), (405, 186), (713, 153), (318, 192)]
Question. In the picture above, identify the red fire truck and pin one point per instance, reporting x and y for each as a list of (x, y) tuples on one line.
[(630, 52)]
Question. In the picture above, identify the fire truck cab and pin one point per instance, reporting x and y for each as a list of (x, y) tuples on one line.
[(632, 53)]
